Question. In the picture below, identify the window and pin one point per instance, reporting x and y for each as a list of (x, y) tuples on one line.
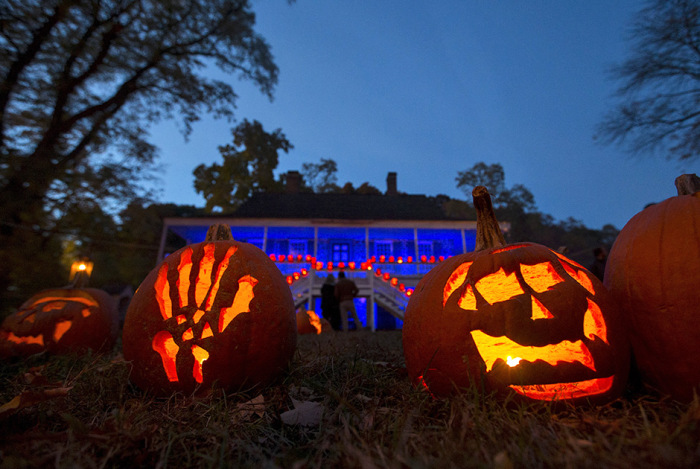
[(425, 248), (297, 247), (340, 252), (383, 248)]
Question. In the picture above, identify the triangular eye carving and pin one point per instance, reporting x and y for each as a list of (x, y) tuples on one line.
[(540, 277)]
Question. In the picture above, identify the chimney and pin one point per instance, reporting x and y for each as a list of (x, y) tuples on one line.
[(391, 184), (293, 183)]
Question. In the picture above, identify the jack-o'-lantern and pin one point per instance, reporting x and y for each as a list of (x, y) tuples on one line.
[(218, 311), (308, 322), (61, 321), (653, 270), (515, 319)]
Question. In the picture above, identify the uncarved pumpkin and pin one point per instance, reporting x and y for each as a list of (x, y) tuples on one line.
[(654, 271), (61, 321), (217, 311), (516, 319)]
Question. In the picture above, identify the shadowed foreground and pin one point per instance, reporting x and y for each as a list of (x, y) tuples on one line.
[(346, 402)]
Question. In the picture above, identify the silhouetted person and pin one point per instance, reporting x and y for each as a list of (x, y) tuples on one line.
[(330, 307), (598, 266), (345, 292)]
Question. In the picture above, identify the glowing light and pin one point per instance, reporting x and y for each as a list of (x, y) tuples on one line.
[(31, 339), (82, 267), (468, 299), (495, 348), (455, 281), (540, 277), (499, 286), (549, 392), (539, 311), (200, 356), (513, 361), (594, 323), (163, 292), (165, 345), (580, 276), (241, 302)]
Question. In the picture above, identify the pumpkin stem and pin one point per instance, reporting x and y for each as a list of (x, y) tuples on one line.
[(488, 233), (687, 184), (219, 232)]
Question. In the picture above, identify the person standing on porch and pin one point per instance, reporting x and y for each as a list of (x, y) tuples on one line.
[(329, 303), (346, 291)]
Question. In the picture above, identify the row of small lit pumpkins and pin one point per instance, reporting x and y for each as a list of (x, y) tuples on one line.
[(519, 320)]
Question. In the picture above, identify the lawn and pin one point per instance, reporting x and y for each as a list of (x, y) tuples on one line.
[(346, 402)]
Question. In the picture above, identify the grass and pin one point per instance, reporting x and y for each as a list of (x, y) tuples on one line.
[(372, 417)]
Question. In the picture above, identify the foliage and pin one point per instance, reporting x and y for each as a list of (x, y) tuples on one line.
[(658, 93), (490, 176), (247, 167), (81, 81), (516, 206), (321, 177), (82, 412)]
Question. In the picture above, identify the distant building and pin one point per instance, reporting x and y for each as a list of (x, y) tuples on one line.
[(398, 234)]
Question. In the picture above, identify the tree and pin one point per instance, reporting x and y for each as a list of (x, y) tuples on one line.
[(81, 81), (657, 108), (491, 176), (247, 168), (321, 177)]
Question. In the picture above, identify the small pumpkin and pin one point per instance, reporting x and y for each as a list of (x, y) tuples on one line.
[(654, 271), (216, 311), (517, 319), (308, 322), (61, 321)]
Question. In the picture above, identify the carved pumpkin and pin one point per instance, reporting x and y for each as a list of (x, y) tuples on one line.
[(514, 318), (217, 311), (308, 322), (654, 272), (61, 321)]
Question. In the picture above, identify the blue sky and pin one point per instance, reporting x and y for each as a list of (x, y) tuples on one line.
[(428, 89)]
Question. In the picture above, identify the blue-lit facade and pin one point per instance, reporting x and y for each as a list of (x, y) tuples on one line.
[(342, 243), (395, 247)]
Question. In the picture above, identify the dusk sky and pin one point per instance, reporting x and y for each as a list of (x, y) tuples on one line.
[(428, 89)]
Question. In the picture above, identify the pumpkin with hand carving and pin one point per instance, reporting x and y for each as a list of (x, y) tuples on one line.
[(516, 319), (218, 311), (61, 321), (654, 272)]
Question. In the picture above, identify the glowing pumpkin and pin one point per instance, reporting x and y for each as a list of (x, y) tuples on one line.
[(217, 311), (308, 322), (517, 319), (61, 321), (654, 272)]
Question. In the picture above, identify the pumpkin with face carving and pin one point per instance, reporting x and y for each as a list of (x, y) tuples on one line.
[(61, 321), (516, 319), (217, 311)]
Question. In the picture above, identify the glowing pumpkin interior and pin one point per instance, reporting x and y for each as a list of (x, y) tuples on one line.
[(50, 305), (500, 286), (206, 288)]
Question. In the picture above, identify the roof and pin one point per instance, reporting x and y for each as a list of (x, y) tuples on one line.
[(342, 206)]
